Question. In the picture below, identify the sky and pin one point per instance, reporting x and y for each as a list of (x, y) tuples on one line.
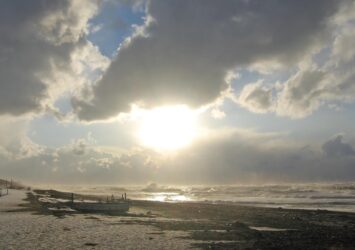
[(177, 92)]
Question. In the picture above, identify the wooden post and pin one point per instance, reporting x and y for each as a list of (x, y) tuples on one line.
[(125, 196), (7, 186)]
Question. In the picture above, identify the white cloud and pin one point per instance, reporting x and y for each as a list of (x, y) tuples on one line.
[(65, 24), (14, 141), (302, 93)]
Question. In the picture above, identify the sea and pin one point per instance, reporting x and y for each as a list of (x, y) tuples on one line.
[(315, 196)]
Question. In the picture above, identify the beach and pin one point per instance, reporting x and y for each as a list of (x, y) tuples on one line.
[(27, 227), (29, 222)]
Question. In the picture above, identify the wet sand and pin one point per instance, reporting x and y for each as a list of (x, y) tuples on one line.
[(242, 227), (159, 225)]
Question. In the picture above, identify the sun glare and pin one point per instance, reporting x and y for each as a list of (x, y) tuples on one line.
[(168, 128)]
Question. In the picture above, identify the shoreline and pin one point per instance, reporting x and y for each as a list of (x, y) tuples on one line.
[(206, 226), (97, 197), (330, 196)]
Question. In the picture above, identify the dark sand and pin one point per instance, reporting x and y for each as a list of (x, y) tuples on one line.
[(226, 226)]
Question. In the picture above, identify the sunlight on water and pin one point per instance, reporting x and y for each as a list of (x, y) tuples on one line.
[(168, 197)]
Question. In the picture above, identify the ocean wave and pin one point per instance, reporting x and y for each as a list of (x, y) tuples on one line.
[(155, 188)]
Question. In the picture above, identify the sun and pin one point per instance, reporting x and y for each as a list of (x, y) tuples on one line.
[(168, 128)]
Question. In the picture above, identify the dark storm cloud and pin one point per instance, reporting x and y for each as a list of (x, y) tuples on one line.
[(186, 48)]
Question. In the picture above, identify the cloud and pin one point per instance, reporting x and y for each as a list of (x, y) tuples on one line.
[(37, 41), (63, 23), (312, 86), (239, 156), (343, 49), (256, 98), (316, 83), (81, 145), (228, 156), (335, 147), (14, 141), (95, 166), (182, 53), (302, 93)]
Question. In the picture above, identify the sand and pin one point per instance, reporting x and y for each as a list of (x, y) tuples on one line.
[(23, 229), (35, 224)]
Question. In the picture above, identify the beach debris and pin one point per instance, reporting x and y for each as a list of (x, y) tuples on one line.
[(90, 244)]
